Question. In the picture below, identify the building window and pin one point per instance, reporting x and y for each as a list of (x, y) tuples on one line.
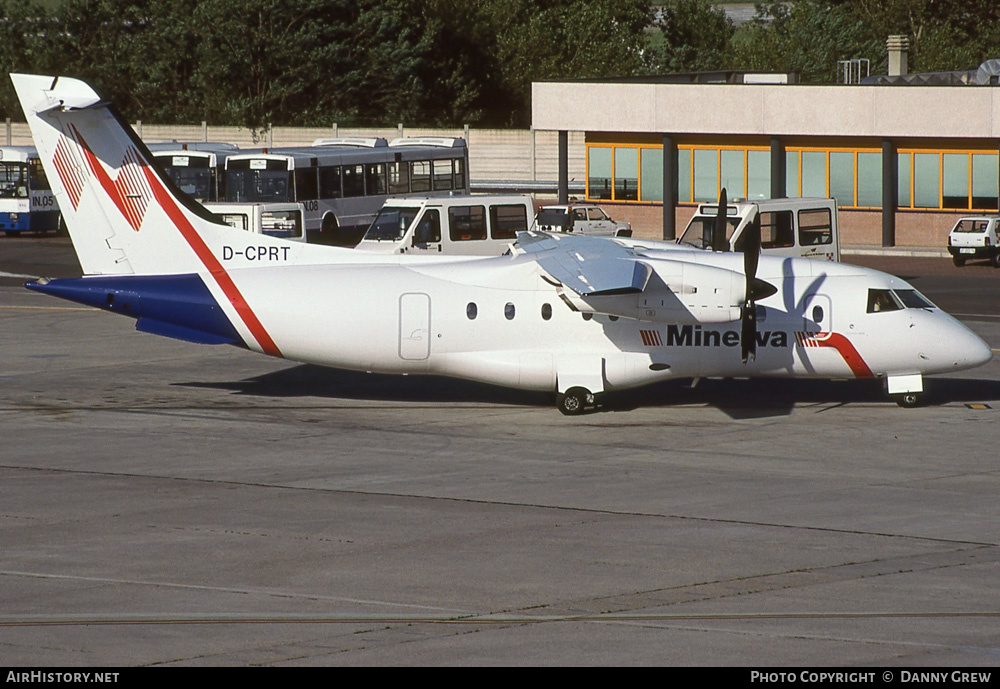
[(926, 180), (652, 174), (626, 174), (869, 180), (842, 177), (758, 175), (684, 175), (706, 175), (985, 173), (599, 173), (814, 174)]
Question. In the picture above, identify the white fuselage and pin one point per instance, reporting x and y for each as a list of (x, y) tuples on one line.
[(412, 317)]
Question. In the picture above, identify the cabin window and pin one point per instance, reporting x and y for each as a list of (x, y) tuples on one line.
[(508, 311), (467, 223), (508, 220), (882, 300), (815, 227), (587, 316), (546, 311), (471, 310), (818, 314)]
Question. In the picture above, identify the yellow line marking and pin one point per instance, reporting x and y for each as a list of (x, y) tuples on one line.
[(46, 308)]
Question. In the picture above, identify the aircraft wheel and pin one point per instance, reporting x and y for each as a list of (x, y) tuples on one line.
[(908, 400), (574, 401), (958, 261)]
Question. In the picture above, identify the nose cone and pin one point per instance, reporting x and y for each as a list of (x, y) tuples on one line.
[(965, 348)]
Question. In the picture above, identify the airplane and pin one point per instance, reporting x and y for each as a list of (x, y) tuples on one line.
[(574, 316)]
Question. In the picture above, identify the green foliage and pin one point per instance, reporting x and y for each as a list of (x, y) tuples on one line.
[(444, 62), (695, 36)]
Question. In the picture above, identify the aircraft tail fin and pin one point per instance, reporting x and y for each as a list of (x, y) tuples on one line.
[(122, 214)]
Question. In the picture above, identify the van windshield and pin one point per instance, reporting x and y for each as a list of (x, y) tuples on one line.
[(391, 224), (699, 233)]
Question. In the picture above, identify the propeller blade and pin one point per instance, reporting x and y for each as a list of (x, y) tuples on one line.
[(755, 288), (719, 240), (748, 331)]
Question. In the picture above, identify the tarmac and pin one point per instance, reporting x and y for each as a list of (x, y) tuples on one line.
[(172, 504)]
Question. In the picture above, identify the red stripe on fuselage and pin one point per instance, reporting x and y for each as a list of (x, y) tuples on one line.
[(201, 249), (851, 357), (190, 235)]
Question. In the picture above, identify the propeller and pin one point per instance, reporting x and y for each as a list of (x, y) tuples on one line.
[(719, 240), (756, 289)]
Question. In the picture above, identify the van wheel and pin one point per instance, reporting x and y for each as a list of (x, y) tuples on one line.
[(574, 401), (958, 261), (995, 260)]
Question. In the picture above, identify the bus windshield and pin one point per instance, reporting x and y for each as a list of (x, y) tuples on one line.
[(13, 181), (257, 185), (391, 224), (195, 182)]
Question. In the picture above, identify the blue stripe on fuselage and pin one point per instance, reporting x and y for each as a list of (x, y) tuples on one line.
[(178, 306)]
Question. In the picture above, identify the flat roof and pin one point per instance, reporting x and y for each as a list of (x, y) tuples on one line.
[(768, 109)]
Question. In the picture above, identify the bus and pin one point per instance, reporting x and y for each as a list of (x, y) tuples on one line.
[(342, 183), (198, 168), (26, 200)]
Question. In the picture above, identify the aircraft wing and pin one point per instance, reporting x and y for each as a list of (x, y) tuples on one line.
[(599, 275), (590, 266)]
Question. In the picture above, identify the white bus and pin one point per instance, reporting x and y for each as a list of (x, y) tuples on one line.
[(342, 183), (26, 200), (198, 168)]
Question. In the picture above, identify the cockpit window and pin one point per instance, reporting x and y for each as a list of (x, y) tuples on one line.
[(882, 300), (895, 300), (912, 299)]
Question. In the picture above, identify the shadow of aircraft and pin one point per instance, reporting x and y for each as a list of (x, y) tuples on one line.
[(738, 398)]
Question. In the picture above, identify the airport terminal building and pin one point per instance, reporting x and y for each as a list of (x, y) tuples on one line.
[(902, 161)]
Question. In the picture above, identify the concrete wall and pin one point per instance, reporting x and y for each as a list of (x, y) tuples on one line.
[(494, 154)]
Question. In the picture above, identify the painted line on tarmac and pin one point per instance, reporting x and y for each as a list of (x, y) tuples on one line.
[(47, 308)]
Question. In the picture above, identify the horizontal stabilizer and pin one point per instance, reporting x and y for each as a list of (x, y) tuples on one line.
[(590, 266), (178, 306), (179, 332)]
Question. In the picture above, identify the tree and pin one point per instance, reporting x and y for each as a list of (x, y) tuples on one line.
[(695, 36)]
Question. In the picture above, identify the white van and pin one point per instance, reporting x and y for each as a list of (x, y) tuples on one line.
[(476, 224), (283, 220), (788, 227)]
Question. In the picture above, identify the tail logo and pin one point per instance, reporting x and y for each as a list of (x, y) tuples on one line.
[(129, 191)]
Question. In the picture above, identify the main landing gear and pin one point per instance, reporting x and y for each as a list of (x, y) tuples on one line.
[(575, 401)]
